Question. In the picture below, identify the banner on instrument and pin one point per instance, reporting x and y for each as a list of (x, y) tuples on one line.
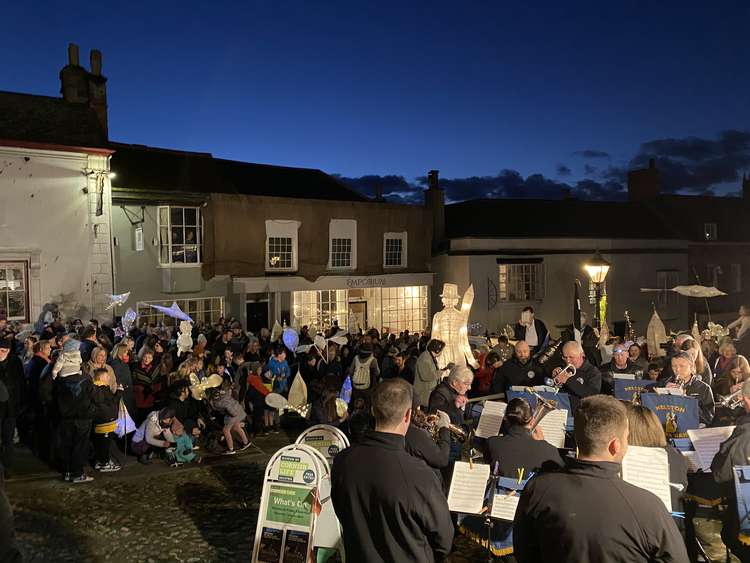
[(678, 414), (562, 399), (629, 389)]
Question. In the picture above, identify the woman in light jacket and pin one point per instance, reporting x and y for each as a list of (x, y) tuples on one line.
[(427, 375)]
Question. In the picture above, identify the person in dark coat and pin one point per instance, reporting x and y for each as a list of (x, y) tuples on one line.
[(121, 366), (586, 512), (400, 368), (530, 329), (73, 390), (434, 451), (521, 369), (620, 364), (389, 503), (519, 449), (106, 408), (684, 377), (450, 395), (11, 376), (734, 451), (586, 382), (88, 342)]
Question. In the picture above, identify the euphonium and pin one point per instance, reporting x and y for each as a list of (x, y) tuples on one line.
[(543, 407), (429, 422)]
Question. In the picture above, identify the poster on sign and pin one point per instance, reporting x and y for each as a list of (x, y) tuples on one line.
[(328, 440), (296, 479), (629, 389), (677, 413)]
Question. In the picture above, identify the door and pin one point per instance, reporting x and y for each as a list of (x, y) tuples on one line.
[(257, 315), (357, 315)]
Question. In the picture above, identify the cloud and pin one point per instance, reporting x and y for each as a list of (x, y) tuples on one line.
[(695, 165), (592, 153), (563, 170), (589, 170)]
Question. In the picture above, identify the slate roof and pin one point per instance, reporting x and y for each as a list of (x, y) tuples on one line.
[(536, 218), (140, 167), (44, 119)]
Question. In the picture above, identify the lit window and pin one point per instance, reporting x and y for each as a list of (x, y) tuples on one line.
[(342, 235), (521, 282), (281, 245), (204, 309), (14, 291), (394, 250), (321, 308), (180, 235)]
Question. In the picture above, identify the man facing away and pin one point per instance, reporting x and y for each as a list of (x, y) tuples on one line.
[(389, 503), (586, 512)]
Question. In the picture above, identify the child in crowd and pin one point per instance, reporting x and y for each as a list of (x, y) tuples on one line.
[(106, 405), (154, 432), (279, 368), (221, 399), (183, 446), (256, 397)]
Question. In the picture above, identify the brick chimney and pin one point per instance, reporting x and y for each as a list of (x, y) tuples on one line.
[(434, 199), (645, 183), (79, 86)]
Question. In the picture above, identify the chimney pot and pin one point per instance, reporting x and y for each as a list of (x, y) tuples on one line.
[(73, 54), (96, 62), (432, 179)]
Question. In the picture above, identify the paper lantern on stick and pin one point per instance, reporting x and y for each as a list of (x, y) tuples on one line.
[(290, 339)]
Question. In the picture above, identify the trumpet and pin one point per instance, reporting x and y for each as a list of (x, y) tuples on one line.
[(570, 368), (731, 401), (429, 422)]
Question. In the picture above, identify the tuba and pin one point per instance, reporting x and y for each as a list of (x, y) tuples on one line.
[(429, 422), (543, 408)]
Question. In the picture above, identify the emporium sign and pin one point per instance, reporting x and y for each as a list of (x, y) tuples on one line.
[(366, 282)]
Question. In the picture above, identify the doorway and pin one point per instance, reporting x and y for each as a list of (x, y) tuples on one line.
[(257, 315), (357, 315)]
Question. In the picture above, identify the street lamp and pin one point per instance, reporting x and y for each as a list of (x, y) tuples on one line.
[(597, 268)]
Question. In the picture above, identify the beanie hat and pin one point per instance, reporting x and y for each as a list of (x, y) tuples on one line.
[(6, 343), (71, 345)]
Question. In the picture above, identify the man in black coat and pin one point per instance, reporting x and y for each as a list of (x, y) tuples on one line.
[(586, 382), (389, 503), (519, 449), (734, 451), (620, 364), (530, 329), (587, 513), (519, 370), (433, 450), (11, 376)]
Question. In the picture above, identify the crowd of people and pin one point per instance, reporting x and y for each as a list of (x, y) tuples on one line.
[(73, 393)]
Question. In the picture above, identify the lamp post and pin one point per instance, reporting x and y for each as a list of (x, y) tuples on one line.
[(597, 268)]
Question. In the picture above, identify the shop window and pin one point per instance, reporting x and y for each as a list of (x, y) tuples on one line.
[(203, 309), (14, 291), (404, 308), (180, 235), (281, 245), (321, 309), (394, 250), (342, 235), (521, 282)]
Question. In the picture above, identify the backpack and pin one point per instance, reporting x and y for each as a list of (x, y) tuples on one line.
[(361, 375)]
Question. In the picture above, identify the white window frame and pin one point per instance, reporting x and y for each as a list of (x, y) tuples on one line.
[(506, 282), (170, 244), (342, 229), (404, 257), (279, 228), (143, 311), (666, 280), (710, 231), (5, 301)]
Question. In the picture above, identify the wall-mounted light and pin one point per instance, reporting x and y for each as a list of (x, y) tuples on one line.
[(112, 175)]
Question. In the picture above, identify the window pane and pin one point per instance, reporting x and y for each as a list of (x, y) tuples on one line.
[(191, 254), (191, 235), (175, 214), (191, 216), (164, 235), (164, 216), (177, 236), (17, 304), (178, 254)]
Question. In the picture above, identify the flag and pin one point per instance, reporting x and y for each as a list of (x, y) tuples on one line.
[(576, 312)]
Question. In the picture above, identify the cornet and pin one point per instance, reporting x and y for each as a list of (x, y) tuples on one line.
[(731, 401), (570, 368)]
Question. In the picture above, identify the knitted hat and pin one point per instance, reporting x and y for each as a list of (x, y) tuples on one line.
[(6, 343), (71, 345)]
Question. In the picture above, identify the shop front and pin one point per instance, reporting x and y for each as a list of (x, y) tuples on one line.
[(388, 303)]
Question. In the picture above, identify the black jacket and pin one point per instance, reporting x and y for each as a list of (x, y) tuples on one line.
[(73, 395), (586, 382), (587, 513), (513, 372), (517, 449), (443, 398), (106, 404), (421, 445), (124, 377), (700, 390), (11, 374), (609, 370), (34, 370), (389, 503), (541, 332)]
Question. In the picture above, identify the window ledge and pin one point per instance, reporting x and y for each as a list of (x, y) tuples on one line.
[(179, 265), (393, 267)]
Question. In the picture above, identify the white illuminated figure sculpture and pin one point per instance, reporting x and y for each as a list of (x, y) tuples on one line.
[(450, 326)]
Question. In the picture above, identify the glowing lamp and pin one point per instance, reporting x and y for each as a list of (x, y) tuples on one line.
[(597, 268)]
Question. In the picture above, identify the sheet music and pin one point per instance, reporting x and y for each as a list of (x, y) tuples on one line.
[(706, 442), (692, 460), (670, 391), (648, 468), (491, 419), (467, 487), (504, 506), (624, 376), (553, 426)]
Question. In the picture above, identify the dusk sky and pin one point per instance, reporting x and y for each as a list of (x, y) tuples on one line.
[(505, 98)]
